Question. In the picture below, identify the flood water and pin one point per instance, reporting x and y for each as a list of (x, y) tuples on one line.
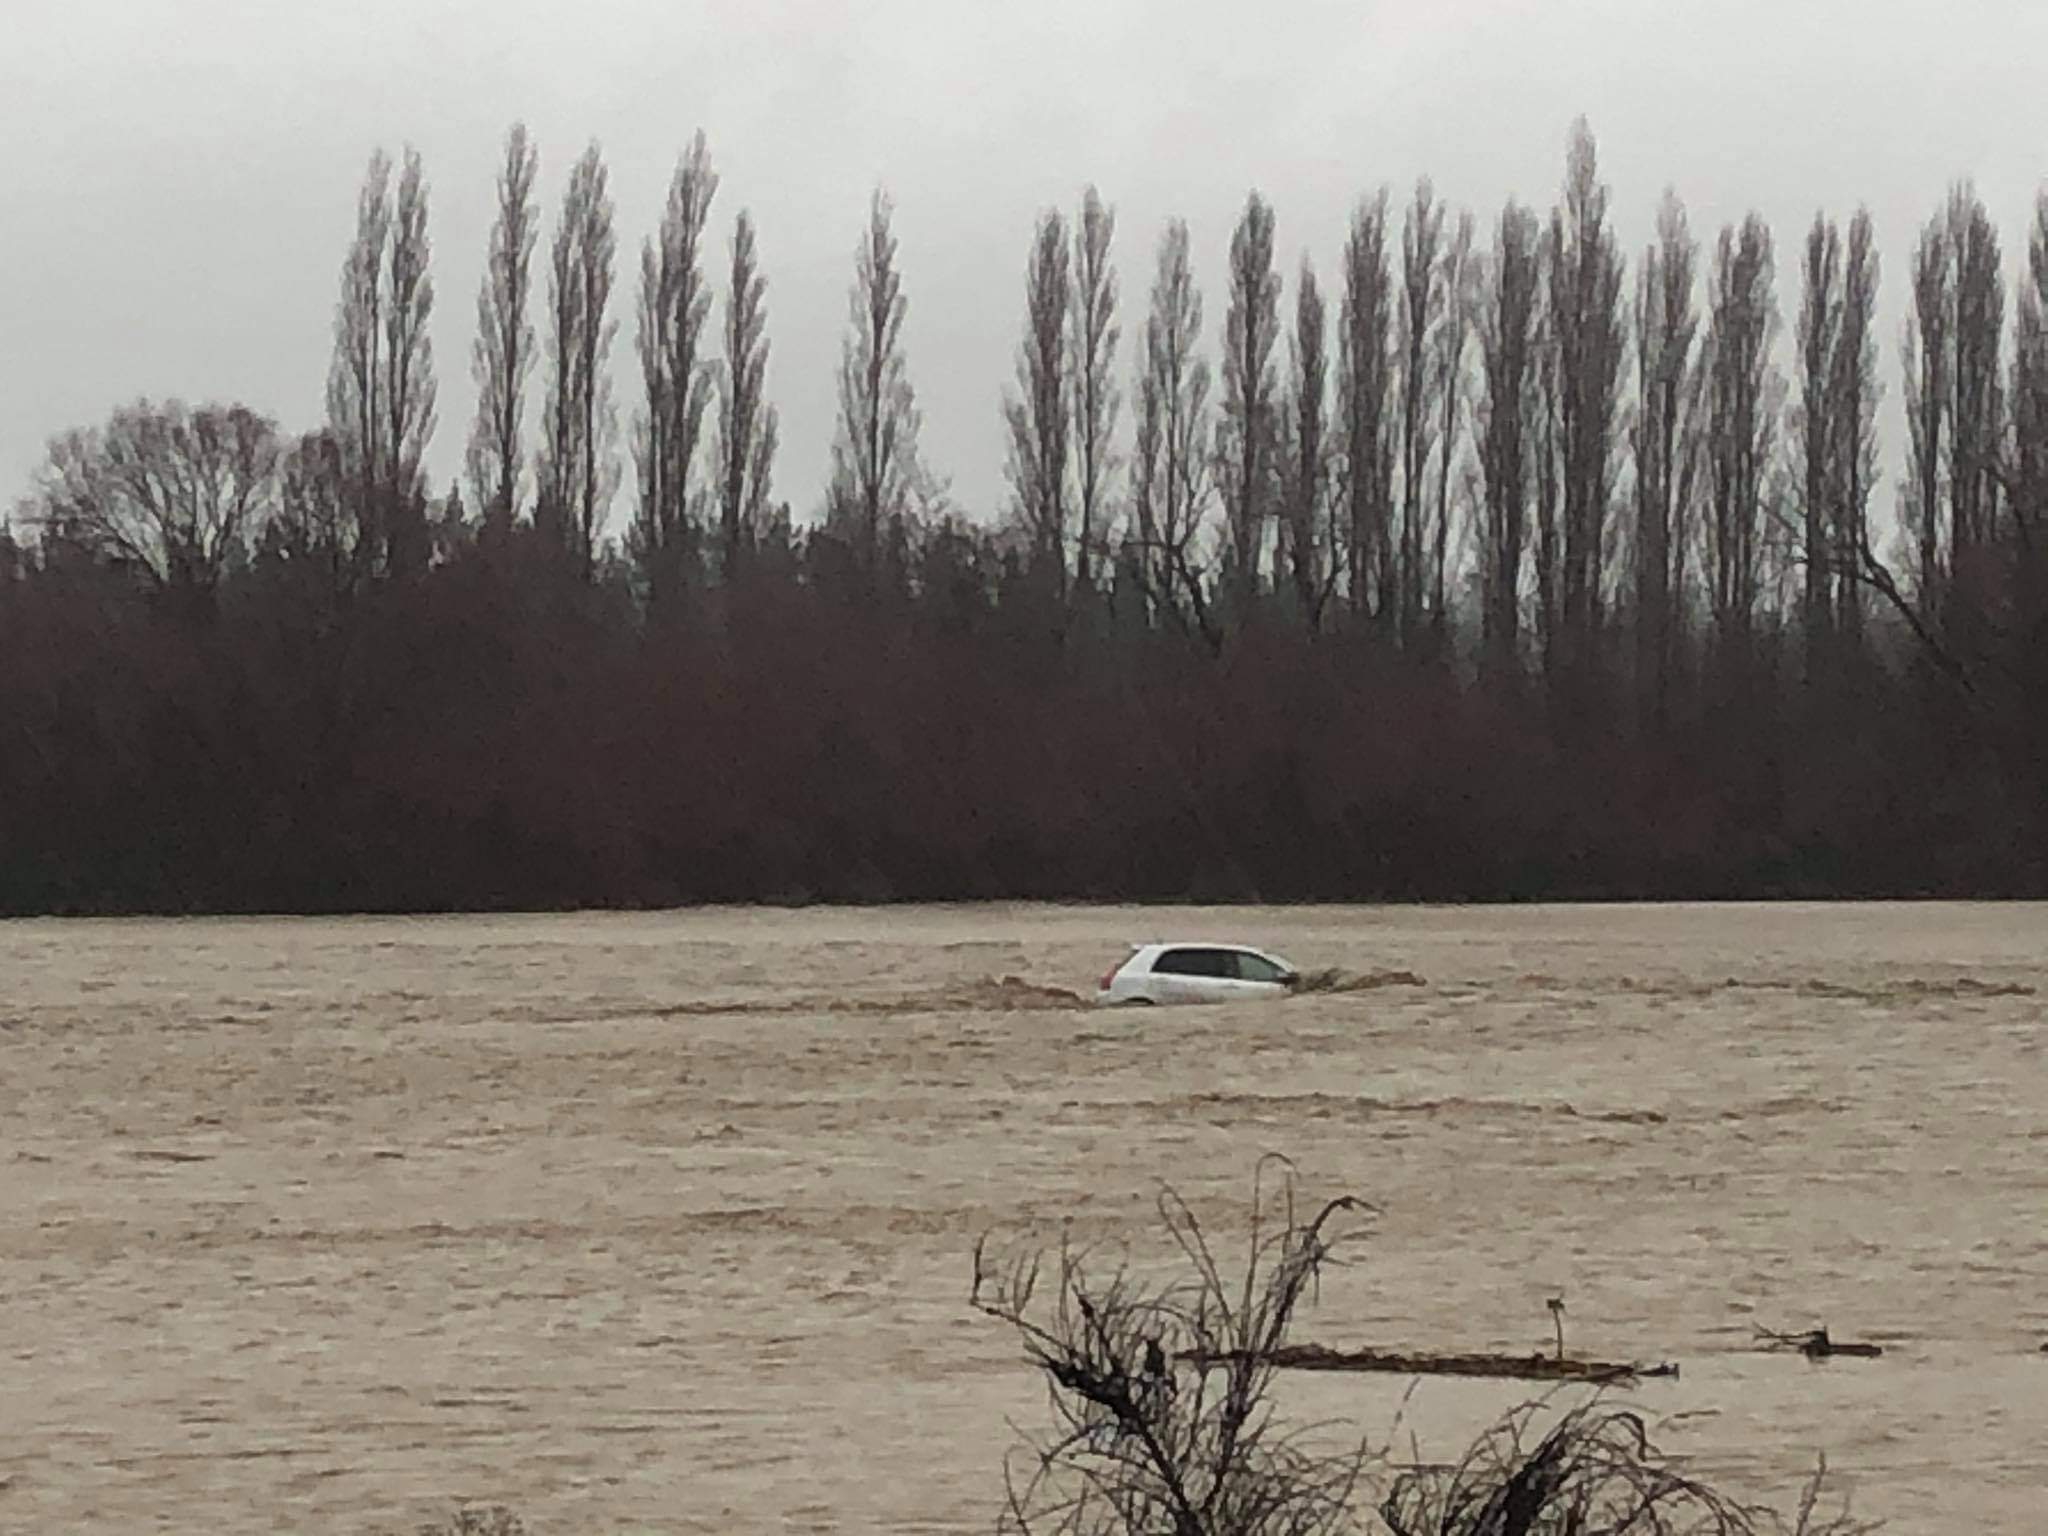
[(664, 1222)]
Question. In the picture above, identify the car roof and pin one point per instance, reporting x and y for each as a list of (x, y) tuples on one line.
[(1156, 945)]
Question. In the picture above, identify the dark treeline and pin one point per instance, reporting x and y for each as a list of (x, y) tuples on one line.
[(1489, 562)]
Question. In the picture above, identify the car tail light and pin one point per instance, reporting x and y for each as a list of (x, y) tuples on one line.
[(1108, 976)]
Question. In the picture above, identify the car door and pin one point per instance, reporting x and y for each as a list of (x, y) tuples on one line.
[(1256, 976), (1215, 976), (1190, 974)]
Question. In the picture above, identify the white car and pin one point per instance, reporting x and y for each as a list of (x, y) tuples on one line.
[(1196, 973)]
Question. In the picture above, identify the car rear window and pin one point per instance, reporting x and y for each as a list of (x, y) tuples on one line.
[(1195, 962)]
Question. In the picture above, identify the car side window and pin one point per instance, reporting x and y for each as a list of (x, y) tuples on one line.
[(1193, 962), (1255, 968)]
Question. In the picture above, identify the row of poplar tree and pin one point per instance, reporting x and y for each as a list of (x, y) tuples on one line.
[(1473, 461), (1507, 430)]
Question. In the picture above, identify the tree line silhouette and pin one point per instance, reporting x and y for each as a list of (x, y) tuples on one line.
[(1495, 574)]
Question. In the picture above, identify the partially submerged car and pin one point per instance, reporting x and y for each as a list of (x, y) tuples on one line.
[(1196, 973)]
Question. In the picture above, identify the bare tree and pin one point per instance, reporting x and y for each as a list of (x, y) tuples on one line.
[(1666, 322), (579, 469), (356, 381), (313, 529), (1508, 348), (876, 471), (1037, 413), (1818, 439), (1092, 346), (1306, 551), (1928, 365), (503, 353), (1453, 331), (1172, 483), (654, 542), (2026, 539), (1853, 417), (1545, 555), (1978, 408), (1162, 1392), (1741, 424), (170, 494), (1246, 434), (747, 425), (1365, 403), (2029, 498), (1955, 409), (1585, 323), (410, 389), (679, 376), (1422, 305), (1694, 471)]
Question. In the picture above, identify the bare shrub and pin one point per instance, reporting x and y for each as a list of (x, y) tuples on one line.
[(1160, 1390), (1594, 1472)]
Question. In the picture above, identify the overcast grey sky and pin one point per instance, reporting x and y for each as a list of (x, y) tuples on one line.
[(178, 176)]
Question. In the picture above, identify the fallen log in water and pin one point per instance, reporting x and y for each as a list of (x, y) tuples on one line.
[(1816, 1345), (1316, 1357)]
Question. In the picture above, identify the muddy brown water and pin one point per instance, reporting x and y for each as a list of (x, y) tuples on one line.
[(663, 1222)]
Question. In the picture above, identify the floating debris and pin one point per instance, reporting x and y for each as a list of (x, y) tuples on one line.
[(1317, 1357), (1816, 1345)]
